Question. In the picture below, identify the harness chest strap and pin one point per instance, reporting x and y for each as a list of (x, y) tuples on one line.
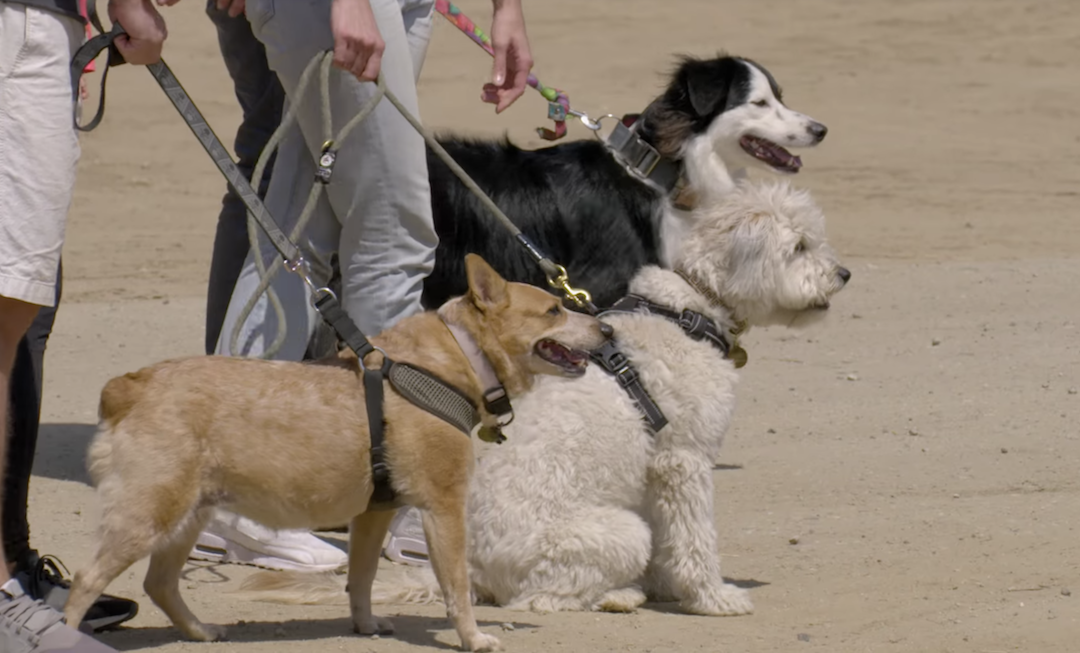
[(694, 324), (618, 365), (420, 387)]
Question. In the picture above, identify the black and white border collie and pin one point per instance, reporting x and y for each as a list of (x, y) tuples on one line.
[(585, 210)]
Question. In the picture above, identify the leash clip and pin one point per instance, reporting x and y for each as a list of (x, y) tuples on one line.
[(579, 296), (593, 125)]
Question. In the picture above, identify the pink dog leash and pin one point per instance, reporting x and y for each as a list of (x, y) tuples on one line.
[(558, 101)]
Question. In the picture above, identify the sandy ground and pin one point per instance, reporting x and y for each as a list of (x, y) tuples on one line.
[(902, 477)]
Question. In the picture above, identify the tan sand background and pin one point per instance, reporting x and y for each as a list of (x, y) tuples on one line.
[(920, 448)]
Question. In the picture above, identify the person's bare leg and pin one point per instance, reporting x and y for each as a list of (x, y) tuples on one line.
[(15, 319)]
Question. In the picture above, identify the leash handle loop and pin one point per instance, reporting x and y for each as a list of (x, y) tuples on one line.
[(558, 101)]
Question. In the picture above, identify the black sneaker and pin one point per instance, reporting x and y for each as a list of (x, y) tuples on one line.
[(41, 579)]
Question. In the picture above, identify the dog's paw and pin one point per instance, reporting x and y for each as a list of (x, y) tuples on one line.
[(724, 601), (374, 626), (201, 632), (483, 642), (626, 599)]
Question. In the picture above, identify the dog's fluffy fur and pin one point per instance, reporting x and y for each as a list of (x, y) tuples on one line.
[(287, 444), (715, 118), (584, 508)]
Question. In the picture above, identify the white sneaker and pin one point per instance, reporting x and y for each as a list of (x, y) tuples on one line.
[(407, 544), (230, 538)]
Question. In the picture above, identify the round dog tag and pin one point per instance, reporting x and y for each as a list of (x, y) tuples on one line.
[(491, 434), (738, 356)]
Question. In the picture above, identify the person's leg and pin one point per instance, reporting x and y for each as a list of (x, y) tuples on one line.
[(229, 538), (15, 318), (40, 577), (38, 155), (407, 544), (261, 100), (24, 405), (26, 624), (379, 192)]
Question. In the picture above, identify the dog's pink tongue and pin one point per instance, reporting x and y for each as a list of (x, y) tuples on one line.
[(795, 162)]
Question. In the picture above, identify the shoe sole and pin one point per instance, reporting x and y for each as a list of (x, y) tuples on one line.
[(109, 623), (212, 548), (407, 551)]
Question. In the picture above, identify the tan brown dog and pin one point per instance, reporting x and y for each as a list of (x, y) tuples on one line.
[(287, 444)]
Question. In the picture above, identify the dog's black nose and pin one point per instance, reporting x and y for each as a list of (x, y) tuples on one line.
[(606, 330), (844, 274), (818, 131)]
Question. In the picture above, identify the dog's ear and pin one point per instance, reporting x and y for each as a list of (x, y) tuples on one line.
[(486, 287), (708, 85)]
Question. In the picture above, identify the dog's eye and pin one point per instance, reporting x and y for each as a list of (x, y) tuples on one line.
[(554, 310), (761, 103), (801, 247)]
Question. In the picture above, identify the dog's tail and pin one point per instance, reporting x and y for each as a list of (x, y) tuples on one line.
[(294, 588), (413, 586), (120, 394), (118, 397)]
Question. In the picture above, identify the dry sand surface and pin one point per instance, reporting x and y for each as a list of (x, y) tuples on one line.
[(902, 477)]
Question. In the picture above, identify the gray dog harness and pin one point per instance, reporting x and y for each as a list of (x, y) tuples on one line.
[(693, 324)]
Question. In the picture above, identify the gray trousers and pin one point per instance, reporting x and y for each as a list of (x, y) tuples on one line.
[(376, 213)]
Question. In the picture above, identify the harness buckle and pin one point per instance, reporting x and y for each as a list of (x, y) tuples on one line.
[(380, 471), (327, 159), (619, 365), (694, 324)]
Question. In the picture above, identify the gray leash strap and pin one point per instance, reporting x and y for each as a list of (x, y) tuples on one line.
[(213, 146)]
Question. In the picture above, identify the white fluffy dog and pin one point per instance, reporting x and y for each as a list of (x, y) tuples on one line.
[(584, 507)]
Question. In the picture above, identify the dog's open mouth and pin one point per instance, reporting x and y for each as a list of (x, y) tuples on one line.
[(821, 306), (770, 153), (571, 361)]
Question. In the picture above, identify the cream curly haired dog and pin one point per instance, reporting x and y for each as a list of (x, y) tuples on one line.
[(584, 508)]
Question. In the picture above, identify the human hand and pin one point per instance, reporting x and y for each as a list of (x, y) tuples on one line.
[(358, 45), (144, 27), (513, 60)]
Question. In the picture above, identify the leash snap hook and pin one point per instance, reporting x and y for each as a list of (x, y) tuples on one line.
[(579, 296), (299, 267), (594, 125)]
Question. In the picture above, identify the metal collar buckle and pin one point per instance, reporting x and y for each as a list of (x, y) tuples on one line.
[(638, 156)]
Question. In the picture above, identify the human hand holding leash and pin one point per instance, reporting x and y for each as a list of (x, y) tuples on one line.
[(513, 59), (145, 30), (358, 45)]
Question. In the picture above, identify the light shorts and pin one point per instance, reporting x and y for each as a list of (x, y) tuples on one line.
[(39, 148)]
